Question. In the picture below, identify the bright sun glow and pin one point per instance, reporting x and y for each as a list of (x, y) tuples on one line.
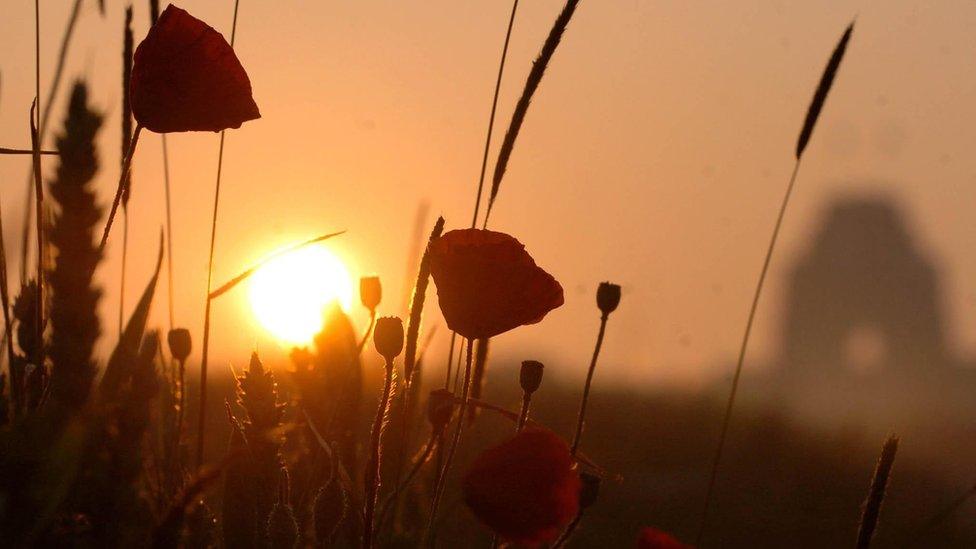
[(290, 293)]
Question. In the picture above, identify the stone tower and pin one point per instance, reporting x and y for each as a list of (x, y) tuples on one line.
[(863, 274)]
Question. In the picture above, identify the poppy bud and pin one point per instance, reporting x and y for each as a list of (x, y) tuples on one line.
[(440, 408), (530, 377), (607, 297), (180, 343), (388, 337), (370, 292), (589, 489)]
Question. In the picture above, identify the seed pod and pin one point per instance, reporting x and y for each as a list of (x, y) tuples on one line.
[(440, 408), (180, 343), (388, 337), (370, 292), (607, 297), (530, 377)]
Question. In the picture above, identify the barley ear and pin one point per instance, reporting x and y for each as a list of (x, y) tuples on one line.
[(820, 96), (871, 510)]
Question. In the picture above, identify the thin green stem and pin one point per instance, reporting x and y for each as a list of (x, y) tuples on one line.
[(122, 188), (742, 355), (373, 480), (182, 401), (7, 150), (491, 118), (569, 531), (449, 458), (524, 413), (125, 256), (586, 388), (205, 348), (450, 361), (169, 233), (389, 502), (369, 330), (42, 129)]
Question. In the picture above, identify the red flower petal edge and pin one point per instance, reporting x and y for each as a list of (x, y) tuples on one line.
[(186, 77), (526, 489), (487, 284)]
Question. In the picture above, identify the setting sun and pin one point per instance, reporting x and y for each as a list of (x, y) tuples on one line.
[(289, 294)]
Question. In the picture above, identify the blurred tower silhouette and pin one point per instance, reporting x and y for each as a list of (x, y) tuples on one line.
[(863, 288)]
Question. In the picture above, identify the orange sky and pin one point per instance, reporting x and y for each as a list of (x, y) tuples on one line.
[(654, 154)]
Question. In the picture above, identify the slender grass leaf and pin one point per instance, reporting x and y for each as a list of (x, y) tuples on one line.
[(229, 285), (127, 349)]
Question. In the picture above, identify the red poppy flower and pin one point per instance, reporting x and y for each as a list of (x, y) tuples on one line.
[(652, 538), (487, 284), (526, 489), (186, 77)]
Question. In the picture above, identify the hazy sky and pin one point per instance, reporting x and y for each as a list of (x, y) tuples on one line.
[(654, 155)]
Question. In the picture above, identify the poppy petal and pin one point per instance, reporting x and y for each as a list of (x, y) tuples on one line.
[(526, 489), (487, 284), (186, 77)]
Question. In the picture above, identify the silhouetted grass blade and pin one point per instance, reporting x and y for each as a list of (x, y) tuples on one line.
[(522, 107), (417, 305), (128, 346), (872, 505), (820, 96), (229, 285)]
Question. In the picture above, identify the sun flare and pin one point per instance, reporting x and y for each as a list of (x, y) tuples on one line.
[(290, 293)]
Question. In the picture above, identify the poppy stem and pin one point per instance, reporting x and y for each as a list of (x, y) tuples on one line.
[(122, 188), (169, 233), (373, 480), (125, 256), (182, 403), (742, 355), (569, 531), (388, 503), (439, 485), (205, 351), (369, 330), (524, 413), (450, 361), (589, 380)]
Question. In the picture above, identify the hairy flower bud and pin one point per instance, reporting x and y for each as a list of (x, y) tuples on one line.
[(607, 297), (530, 377), (370, 292), (388, 337), (589, 489), (440, 408), (180, 343)]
